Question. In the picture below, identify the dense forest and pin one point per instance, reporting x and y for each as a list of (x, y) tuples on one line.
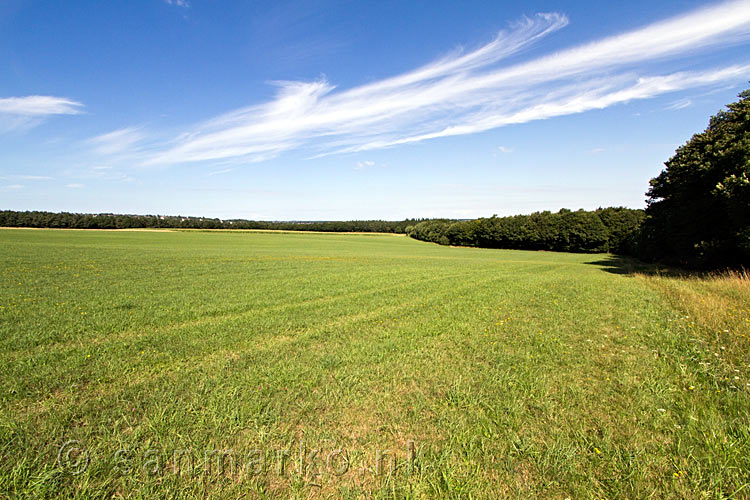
[(698, 212), (66, 220), (604, 230)]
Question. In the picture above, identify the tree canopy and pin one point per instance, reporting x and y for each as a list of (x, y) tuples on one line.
[(698, 212), (10, 218), (606, 229)]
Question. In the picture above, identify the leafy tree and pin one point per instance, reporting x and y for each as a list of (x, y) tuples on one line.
[(613, 229), (698, 211), (584, 232), (623, 225)]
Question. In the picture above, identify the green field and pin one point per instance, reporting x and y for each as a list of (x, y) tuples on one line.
[(215, 364)]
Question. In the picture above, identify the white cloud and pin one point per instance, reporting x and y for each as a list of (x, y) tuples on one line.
[(681, 104), (220, 172), (19, 113), (597, 150), (11, 187), (361, 165), (465, 93), (179, 3), (74, 185), (39, 105), (504, 149), (27, 177), (118, 141)]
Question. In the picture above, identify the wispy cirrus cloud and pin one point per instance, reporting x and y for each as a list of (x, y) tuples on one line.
[(179, 3), (39, 105), (118, 141), (681, 104), (27, 177), (220, 172), (361, 165), (465, 93), (25, 112)]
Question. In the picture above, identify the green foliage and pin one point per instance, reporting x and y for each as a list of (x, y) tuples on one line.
[(10, 218), (698, 211), (606, 229), (624, 227)]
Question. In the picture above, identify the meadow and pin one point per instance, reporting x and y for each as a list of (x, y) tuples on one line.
[(186, 364)]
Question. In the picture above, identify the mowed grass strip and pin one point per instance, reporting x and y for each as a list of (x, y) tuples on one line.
[(193, 364)]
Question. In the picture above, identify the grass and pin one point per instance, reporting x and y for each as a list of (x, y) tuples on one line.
[(193, 364)]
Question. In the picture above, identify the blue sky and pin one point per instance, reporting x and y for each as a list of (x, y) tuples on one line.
[(334, 110)]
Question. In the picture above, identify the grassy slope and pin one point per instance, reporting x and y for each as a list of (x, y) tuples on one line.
[(515, 374)]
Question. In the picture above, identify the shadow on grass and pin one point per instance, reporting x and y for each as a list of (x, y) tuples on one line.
[(620, 264)]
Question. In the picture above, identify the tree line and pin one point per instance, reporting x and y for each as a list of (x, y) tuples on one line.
[(613, 230), (606, 229), (68, 220)]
